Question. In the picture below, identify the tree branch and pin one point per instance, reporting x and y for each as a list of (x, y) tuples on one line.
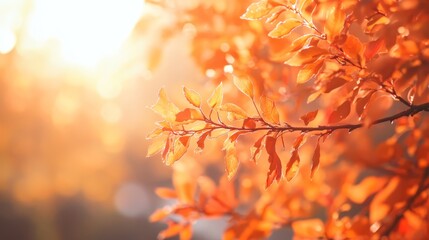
[(323, 129), (422, 187)]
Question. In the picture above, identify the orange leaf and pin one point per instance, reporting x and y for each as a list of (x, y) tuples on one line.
[(172, 230), (249, 123), (245, 85), (333, 83), (353, 48), (186, 233), (306, 56), (192, 97), (269, 110), (189, 114), (159, 214), (292, 166), (201, 140), (315, 160), (370, 185), (335, 18), (299, 43), (282, 29), (256, 10), (275, 171), (216, 98), (232, 162), (340, 113), (374, 47), (299, 141), (165, 192), (307, 72), (255, 150), (361, 104), (307, 118), (308, 229)]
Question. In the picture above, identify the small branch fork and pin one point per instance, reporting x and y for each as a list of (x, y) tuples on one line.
[(320, 130)]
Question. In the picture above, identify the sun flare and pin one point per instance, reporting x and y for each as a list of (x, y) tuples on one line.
[(84, 31)]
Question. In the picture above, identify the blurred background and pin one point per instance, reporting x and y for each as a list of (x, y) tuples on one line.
[(76, 80)]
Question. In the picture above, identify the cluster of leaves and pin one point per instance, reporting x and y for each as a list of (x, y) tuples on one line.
[(351, 61)]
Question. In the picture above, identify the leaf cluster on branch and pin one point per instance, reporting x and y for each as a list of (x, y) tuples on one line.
[(303, 76)]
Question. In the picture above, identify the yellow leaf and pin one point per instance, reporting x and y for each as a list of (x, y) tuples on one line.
[(282, 29), (335, 18), (156, 146), (234, 112), (164, 107), (245, 85), (192, 97), (216, 98), (269, 110), (256, 10), (232, 162), (178, 150)]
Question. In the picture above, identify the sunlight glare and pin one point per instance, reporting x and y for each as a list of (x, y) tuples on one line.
[(86, 31), (7, 41)]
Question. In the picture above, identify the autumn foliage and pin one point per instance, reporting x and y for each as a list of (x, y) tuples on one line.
[(320, 110)]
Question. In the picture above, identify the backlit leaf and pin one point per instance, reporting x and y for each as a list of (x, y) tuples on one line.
[(292, 166), (156, 146), (269, 110), (255, 150), (192, 97), (216, 98), (308, 117), (361, 104), (335, 18), (188, 114), (340, 113), (353, 48), (178, 149), (306, 56), (299, 43), (308, 229), (232, 162), (159, 214), (315, 160), (164, 107), (282, 29), (373, 48), (201, 141), (166, 192), (256, 10), (308, 71), (245, 85), (234, 112), (275, 170)]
